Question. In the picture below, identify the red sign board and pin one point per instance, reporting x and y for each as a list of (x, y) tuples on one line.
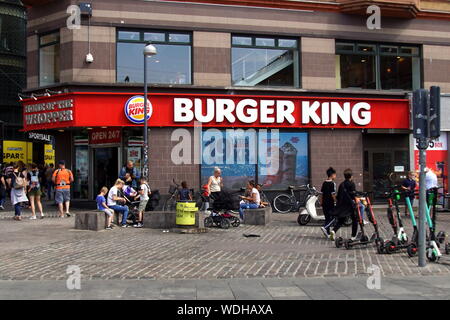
[(104, 136), (184, 110)]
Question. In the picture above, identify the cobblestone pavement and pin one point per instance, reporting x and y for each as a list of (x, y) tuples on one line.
[(42, 250)]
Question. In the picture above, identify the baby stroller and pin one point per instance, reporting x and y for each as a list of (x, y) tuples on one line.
[(133, 206), (223, 212)]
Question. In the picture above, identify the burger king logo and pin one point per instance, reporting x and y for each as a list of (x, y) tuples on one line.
[(134, 109)]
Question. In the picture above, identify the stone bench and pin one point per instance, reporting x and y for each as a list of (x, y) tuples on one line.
[(167, 220), (90, 220), (258, 217)]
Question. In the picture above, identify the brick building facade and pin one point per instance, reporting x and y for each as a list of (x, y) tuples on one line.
[(417, 30)]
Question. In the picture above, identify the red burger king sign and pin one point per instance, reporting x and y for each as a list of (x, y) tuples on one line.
[(134, 109)]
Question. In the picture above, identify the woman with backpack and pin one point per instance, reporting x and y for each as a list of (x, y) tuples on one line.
[(35, 191), (17, 182)]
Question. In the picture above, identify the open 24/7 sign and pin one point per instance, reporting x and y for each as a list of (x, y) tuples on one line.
[(105, 136)]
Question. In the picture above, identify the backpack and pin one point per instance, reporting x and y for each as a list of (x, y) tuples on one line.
[(19, 182), (35, 180)]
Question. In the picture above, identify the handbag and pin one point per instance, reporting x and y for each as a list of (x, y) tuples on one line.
[(19, 182)]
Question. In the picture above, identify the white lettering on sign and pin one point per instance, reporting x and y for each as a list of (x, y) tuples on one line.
[(335, 112), (49, 106), (246, 111), (60, 111)]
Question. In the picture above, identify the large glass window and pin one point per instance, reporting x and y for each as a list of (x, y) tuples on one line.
[(265, 61), (274, 158), (377, 66), (171, 65), (49, 59)]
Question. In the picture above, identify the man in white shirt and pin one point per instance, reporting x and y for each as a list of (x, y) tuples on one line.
[(113, 198), (431, 180)]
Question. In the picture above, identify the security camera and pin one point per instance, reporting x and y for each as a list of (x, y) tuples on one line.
[(89, 58)]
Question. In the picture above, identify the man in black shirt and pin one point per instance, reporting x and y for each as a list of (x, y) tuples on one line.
[(328, 200)]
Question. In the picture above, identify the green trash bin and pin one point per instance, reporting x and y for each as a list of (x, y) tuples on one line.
[(186, 211)]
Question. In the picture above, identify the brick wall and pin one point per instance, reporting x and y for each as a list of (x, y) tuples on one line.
[(318, 63), (162, 170), (340, 149), (436, 59), (212, 58)]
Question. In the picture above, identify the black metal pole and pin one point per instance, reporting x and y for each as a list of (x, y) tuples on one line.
[(145, 167), (422, 145)]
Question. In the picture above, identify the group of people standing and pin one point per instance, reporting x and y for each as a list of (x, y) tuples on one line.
[(339, 203), (26, 185)]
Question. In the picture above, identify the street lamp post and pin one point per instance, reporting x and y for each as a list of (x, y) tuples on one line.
[(149, 51)]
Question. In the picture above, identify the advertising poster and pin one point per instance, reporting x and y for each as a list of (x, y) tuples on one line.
[(437, 158), (49, 154), (134, 154), (17, 151), (292, 167)]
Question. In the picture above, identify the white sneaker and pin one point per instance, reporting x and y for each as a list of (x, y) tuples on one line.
[(353, 238), (365, 222), (33, 218)]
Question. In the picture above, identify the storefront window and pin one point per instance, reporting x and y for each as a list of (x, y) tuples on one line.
[(81, 172), (382, 67), (274, 158), (49, 59), (172, 64), (263, 61)]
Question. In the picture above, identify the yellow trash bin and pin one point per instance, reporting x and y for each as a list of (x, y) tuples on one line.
[(186, 211)]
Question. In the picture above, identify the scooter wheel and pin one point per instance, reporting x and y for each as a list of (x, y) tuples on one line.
[(431, 255), (348, 221), (236, 222), (208, 222), (390, 247), (303, 219), (412, 250), (380, 245), (440, 237), (225, 223), (348, 244), (339, 242)]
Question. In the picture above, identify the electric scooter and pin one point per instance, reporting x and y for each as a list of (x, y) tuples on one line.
[(433, 251), (400, 239), (310, 211), (363, 239)]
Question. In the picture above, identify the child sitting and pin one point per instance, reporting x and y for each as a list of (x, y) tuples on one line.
[(185, 193), (101, 205)]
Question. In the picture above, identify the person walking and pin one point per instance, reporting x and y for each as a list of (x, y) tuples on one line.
[(62, 178), (35, 192), (114, 201), (130, 175), (328, 191), (345, 206), (17, 182), (49, 181)]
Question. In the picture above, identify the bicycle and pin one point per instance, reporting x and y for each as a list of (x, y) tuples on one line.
[(285, 203)]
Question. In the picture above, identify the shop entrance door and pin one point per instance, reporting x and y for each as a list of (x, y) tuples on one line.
[(385, 157), (105, 165)]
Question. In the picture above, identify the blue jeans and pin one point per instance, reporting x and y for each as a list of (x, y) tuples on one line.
[(123, 210), (246, 206), (17, 209), (362, 209)]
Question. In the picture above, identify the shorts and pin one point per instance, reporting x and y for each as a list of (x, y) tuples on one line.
[(108, 212), (35, 192), (142, 205), (62, 196)]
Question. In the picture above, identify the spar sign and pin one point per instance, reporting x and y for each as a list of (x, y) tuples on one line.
[(134, 109)]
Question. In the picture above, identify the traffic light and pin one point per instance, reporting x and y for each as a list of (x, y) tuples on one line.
[(435, 112), (420, 106)]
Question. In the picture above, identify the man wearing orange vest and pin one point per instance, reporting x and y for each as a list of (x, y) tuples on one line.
[(62, 178)]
